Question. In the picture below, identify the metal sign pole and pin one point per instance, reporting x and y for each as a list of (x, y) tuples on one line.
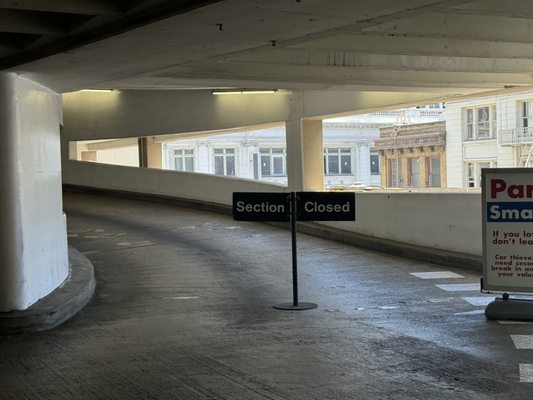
[(295, 304), (294, 251)]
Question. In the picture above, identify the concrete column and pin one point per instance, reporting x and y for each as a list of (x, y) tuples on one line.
[(33, 240), (313, 155), (305, 149), (294, 140), (154, 152), (363, 160)]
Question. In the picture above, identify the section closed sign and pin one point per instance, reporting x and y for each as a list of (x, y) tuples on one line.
[(261, 206), (507, 217), (325, 206)]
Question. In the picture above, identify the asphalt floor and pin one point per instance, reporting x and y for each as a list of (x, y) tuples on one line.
[(183, 309)]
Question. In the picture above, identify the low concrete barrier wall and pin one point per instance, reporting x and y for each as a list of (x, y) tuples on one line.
[(444, 222), (185, 185)]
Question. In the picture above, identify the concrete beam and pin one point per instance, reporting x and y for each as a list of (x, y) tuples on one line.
[(461, 26), (87, 7), (354, 78), (382, 43), (126, 114), (397, 62), (28, 22), (119, 114)]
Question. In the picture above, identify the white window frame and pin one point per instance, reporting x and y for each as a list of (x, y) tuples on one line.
[(183, 154), (272, 154), (225, 154), (473, 172), (339, 153), (375, 154), (525, 113), (473, 123)]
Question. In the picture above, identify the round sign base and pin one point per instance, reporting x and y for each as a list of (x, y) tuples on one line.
[(509, 310), (298, 307)]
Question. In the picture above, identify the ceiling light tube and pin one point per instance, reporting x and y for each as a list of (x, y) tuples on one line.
[(244, 91), (97, 90)]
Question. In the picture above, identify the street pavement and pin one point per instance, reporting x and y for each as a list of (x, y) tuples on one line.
[(183, 309)]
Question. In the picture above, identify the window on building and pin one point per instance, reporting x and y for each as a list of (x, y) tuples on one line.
[(433, 172), (272, 162), (483, 123), (470, 175), (395, 172), (184, 160), (524, 114), (414, 172), (224, 162), (374, 163), (337, 161), (473, 172), (470, 123), (480, 123)]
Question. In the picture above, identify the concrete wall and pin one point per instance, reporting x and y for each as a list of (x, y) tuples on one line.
[(33, 240), (194, 186), (127, 156), (447, 221)]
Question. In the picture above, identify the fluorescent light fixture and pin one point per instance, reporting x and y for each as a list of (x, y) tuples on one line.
[(244, 91), (97, 90)]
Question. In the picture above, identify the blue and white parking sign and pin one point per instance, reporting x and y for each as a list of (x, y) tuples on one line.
[(507, 217)]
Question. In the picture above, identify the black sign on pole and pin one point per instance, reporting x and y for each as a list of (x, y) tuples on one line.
[(325, 206), (300, 206), (260, 206)]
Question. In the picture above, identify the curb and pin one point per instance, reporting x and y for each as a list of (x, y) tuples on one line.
[(60, 305)]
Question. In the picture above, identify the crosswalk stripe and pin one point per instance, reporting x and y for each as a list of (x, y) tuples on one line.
[(523, 341), (460, 287), (437, 275), (526, 372), (479, 301)]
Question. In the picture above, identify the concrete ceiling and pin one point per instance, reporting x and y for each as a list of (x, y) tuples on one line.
[(445, 46)]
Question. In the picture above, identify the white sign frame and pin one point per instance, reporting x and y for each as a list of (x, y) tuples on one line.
[(507, 226)]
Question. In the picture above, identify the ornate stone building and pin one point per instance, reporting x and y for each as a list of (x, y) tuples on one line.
[(413, 156)]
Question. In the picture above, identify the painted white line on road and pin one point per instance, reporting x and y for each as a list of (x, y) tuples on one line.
[(479, 301), (526, 373), (437, 275), (523, 341), (460, 287)]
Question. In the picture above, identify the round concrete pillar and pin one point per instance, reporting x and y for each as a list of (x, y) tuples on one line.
[(33, 245)]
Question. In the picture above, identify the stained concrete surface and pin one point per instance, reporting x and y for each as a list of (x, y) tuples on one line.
[(183, 310)]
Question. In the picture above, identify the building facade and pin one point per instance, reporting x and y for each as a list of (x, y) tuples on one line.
[(487, 132), (413, 156), (261, 155)]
